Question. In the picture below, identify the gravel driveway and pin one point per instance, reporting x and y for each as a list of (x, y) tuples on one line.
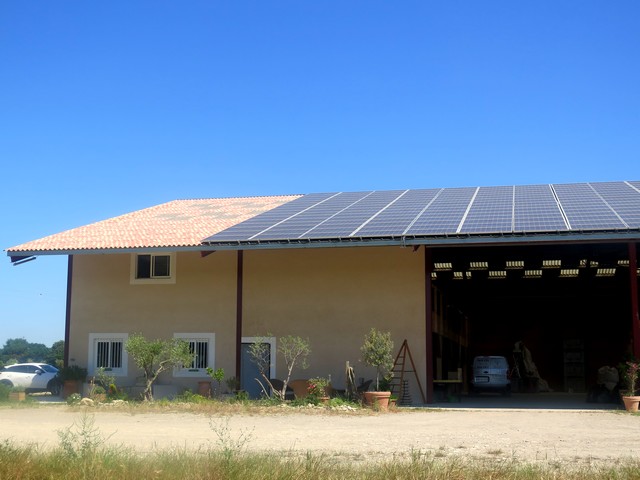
[(540, 436)]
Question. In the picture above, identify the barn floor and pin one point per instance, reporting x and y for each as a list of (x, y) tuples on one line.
[(546, 401)]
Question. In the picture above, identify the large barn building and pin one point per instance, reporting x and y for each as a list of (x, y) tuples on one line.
[(457, 272)]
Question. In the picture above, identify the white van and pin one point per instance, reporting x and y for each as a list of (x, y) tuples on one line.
[(491, 374)]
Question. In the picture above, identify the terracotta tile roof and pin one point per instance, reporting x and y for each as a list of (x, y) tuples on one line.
[(180, 223)]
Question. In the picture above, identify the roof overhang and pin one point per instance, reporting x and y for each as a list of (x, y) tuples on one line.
[(459, 240)]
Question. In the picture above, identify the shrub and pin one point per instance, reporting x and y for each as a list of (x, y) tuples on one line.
[(4, 392), (317, 387), (218, 376), (189, 397), (72, 373), (74, 399)]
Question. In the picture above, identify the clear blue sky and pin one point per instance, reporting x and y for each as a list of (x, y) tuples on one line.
[(110, 107)]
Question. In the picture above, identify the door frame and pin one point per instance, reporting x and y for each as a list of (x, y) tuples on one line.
[(272, 351)]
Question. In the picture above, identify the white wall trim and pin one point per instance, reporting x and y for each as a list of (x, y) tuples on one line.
[(91, 363)]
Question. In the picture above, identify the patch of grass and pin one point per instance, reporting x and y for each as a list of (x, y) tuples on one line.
[(4, 392), (32, 462), (197, 404)]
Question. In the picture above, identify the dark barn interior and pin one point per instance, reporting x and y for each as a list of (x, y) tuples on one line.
[(569, 304)]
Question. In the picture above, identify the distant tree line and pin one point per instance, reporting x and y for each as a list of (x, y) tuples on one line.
[(18, 350)]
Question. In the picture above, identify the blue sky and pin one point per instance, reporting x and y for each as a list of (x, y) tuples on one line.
[(109, 107)]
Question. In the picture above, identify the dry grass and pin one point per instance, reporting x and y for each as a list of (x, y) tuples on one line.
[(82, 453), (232, 463)]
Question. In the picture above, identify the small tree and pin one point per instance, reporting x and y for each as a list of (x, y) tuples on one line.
[(295, 350), (156, 356), (259, 353), (631, 371), (218, 376), (377, 352)]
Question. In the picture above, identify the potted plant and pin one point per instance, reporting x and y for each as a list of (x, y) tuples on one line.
[(71, 376), (629, 397), (377, 352), (317, 390)]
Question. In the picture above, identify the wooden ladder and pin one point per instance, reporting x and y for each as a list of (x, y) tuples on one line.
[(400, 368)]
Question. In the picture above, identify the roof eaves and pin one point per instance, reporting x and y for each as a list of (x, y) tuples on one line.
[(104, 251), (615, 236)]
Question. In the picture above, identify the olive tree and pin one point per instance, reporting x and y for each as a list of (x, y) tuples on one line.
[(295, 351), (377, 351), (156, 356)]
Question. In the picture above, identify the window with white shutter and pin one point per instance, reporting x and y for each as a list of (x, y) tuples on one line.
[(106, 350), (202, 346)]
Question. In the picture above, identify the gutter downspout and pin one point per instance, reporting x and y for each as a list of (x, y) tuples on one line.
[(67, 321), (239, 277), (633, 282)]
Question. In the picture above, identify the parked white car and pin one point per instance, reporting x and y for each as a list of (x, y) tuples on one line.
[(34, 377)]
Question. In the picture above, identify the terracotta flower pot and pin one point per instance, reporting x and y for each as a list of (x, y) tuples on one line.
[(381, 399), (69, 387), (204, 389), (631, 403)]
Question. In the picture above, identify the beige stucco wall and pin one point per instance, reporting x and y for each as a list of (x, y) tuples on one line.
[(203, 299), (333, 296)]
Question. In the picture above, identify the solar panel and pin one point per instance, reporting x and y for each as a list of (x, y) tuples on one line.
[(398, 215), (585, 210), (344, 223), (623, 198), (536, 210), (446, 211), (444, 215), (247, 229), (297, 226), (491, 211)]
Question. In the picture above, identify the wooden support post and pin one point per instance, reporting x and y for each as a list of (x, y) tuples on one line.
[(428, 296), (633, 281), (239, 286)]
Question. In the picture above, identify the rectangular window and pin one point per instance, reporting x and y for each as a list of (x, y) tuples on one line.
[(109, 354), (202, 346), (153, 268), (106, 350)]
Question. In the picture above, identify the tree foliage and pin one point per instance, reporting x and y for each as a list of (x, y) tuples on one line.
[(155, 356), (377, 351), (19, 350), (295, 351), (56, 355)]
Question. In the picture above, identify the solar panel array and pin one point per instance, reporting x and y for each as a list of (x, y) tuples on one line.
[(445, 211)]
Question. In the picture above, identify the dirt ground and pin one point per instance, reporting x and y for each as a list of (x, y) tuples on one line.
[(538, 436)]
